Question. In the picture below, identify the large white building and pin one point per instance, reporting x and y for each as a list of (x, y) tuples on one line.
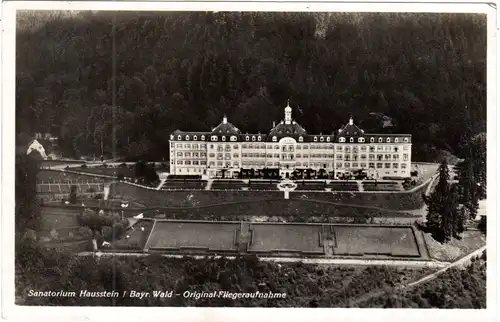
[(225, 151)]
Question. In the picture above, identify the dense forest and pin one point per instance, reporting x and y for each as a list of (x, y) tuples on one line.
[(128, 79)]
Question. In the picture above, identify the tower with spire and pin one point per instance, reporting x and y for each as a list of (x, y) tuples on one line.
[(288, 113)]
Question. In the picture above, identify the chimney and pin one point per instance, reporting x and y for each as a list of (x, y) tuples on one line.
[(351, 121), (224, 120), (274, 124)]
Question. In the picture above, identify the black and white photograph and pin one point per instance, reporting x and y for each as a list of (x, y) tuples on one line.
[(267, 159)]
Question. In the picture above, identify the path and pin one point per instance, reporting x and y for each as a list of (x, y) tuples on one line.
[(317, 261), (162, 182)]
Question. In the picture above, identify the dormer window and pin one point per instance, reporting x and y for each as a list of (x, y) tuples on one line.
[(179, 137), (396, 140), (315, 139), (214, 138), (195, 137), (328, 139), (259, 138), (275, 139), (341, 139), (233, 138), (372, 140), (361, 140), (406, 140), (301, 139), (247, 138), (379, 140), (171, 137), (322, 139), (351, 140), (253, 138), (223, 138), (203, 138), (187, 137), (388, 140)]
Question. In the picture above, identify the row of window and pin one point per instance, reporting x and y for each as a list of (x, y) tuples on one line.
[(370, 165), (189, 162), (378, 157), (191, 146), (371, 148), (372, 140), (191, 170), (192, 154)]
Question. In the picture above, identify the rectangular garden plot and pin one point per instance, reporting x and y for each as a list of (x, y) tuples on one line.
[(383, 241), (206, 236), (286, 238)]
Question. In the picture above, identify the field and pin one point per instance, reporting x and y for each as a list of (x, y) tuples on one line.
[(57, 188), (385, 186), (343, 186), (362, 240), (59, 225), (178, 184), (228, 185), (206, 236), (276, 239), (286, 238)]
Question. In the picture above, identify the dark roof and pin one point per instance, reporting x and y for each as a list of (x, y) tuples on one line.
[(287, 129), (351, 130), (225, 128)]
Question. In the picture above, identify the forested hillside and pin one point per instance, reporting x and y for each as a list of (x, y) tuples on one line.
[(83, 76)]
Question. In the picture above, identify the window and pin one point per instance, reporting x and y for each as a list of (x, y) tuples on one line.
[(321, 139), (219, 156), (179, 137), (395, 165), (203, 154), (235, 146), (338, 165), (306, 147), (203, 162), (301, 139), (250, 146), (203, 138), (380, 148), (363, 157), (351, 140), (341, 139), (179, 154), (179, 162), (244, 155), (211, 146), (328, 139), (355, 165), (196, 163), (227, 148), (388, 140), (187, 137), (396, 149), (276, 155), (246, 138), (258, 138), (406, 140), (235, 155), (212, 163), (372, 148), (347, 165), (315, 139), (363, 148), (253, 138), (379, 140), (387, 165), (227, 156), (339, 156), (363, 165), (195, 137), (340, 148), (387, 157), (223, 138), (212, 155), (405, 157), (179, 146), (379, 165), (396, 140), (214, 138), (371, 165), (171, 137), (361, 140), (347, 149), (195, 154), (219, 148), (275, 139), (395, 156), (347, 157), (188, 163), (372, 140), (233, 138), (371, 157), (403, 166)]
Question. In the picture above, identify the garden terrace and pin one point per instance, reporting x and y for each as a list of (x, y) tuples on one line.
[(382, 186), (183, 177), (54, 176), (310, 185), (108, 171), (195, 236), (66, 188), (386, 200), (263, 184), (342, 186), (286, 238), (184, 184), (281, 209), (172, 198), (228, 185)]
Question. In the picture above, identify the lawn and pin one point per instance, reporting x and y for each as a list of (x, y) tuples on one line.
[(228, 185), (135, 237), (108, 171), (289, 238), (58, 217), (54, 176), (392, 186), (209, 236), (363, 240), (455, 249), (66, 188)]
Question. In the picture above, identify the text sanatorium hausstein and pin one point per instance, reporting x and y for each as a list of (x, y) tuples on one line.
[(187, 294)]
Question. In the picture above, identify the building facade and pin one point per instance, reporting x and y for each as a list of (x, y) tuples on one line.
[(287, 148)]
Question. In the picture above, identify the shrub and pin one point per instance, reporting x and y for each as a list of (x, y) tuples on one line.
[(83, 166)]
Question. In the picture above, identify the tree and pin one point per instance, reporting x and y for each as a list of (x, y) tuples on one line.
[(27, 205), (72, 194)]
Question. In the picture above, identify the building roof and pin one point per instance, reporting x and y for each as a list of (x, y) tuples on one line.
[(292, 129), (225, 128)]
